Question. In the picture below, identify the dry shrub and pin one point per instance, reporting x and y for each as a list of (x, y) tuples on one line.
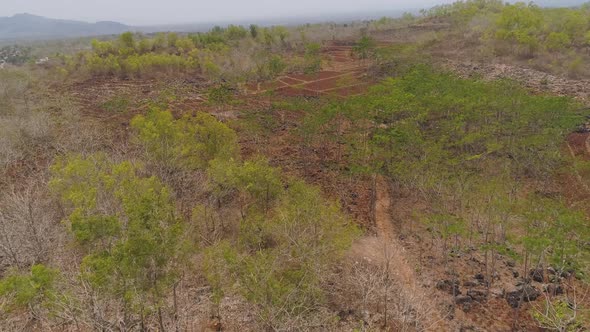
[(369, 291), (22, 134), (29, 226)]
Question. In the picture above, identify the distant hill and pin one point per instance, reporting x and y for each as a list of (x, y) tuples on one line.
[(27, 26)]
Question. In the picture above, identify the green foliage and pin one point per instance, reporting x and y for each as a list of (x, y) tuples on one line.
[(276, 66), (559, 315), (234, 32), (280, 262), (126, 40), (312, 58), (139, 64), (117, 104), (190, 142), (126, 224), (220, 94), (438, 120), (255, 178), (365, 47), (254, 30), (557, 41), (523, 27), (281, 32), (172, 39), (556, 232), (28, 290), (520, 23), (461, 12)]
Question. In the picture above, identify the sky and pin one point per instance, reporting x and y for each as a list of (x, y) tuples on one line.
[(151, 12), (156, 12)]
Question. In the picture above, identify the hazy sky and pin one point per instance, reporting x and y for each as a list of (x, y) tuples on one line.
[(140, 12)]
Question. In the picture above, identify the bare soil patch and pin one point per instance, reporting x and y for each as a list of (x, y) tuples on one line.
[(578, 143)]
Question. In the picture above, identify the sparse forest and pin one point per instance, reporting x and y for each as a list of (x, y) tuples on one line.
[(429, 172)]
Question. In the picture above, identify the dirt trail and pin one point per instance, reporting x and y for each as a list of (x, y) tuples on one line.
[(579, 147), (387, 234), (386, 248)]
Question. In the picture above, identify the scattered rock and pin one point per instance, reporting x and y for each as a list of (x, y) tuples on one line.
[(536, 275), (531, 78), (553, 289), (525, 292), (462, 299), (343, 314), (469, 283), (497, 292), (451, 287), (515, 274), (530, 293), (467, 306), (469, 328), (477, 295)]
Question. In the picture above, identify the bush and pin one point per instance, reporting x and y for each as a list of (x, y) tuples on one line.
[(189, 142)]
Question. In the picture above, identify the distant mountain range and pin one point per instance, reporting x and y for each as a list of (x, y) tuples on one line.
[(33, 27), (27, 26)]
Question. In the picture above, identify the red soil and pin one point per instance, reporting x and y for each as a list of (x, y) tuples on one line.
[(314, 77), (349, 90), (290, 91), (290, 80), (578, 144), (331, 83)]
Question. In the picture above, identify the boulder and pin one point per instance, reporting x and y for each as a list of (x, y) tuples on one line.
[(469, 283), (451, 287), (497, 292), (477, 295), (536, 274), (553, 289), (462, 299), (525, 292)]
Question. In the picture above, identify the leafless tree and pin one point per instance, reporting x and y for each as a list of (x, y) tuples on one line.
[(27, 226)]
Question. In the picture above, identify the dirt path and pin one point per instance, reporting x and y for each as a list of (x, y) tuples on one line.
[(385, 248)]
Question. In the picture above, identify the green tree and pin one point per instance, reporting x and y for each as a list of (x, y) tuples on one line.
[(254, 178), (280, 262), (312, 58), (28, 291), (127, 227), (190, 142), (557, 41), (172, 38), (365, 47), (281, 32), (520, 23), (254, 30), (127, 40)]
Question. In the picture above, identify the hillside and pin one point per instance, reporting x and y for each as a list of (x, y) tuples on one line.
[(27, 26), (422, 173)]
